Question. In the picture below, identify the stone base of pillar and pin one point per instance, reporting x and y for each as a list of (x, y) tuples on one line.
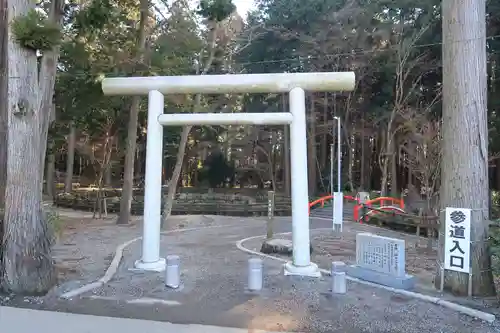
[(156, 266), (311, 270)]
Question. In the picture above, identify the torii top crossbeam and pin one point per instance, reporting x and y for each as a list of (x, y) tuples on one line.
[(230, 83)]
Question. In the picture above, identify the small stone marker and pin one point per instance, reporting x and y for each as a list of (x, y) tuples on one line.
[(362, 197), (381, 260), (254, 274), (173, 272), (339, 285)]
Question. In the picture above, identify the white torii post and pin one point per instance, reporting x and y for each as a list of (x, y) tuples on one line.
[(293, 83)]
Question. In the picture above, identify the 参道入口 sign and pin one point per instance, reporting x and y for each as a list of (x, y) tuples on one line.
[(457, 239)]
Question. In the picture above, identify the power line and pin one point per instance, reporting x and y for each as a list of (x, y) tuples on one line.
[(304, 58), (363, 52)]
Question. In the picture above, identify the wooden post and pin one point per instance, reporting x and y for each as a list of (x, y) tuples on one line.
[(270, 214)]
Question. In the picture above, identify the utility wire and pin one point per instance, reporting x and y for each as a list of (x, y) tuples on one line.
[(298, 58)]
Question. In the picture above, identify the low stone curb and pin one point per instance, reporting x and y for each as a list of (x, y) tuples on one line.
[(115, 263), (113, 267), (488, 317)]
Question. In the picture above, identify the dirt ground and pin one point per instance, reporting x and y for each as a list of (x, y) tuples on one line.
[(420, 260), (73, 262), (87, 245), (214, 281)]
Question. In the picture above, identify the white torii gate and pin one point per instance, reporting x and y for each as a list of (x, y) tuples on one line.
[(293, 83)]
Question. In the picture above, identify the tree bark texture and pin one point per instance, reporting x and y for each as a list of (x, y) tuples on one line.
[(27, 257), (362, 173), (3, 106), (324, 138), (172, 184), (128, 173), (3, 116), (50, 171), (394, 170), (46, 82), (351, 147), (70, 160), (384, 167), (465, 135)]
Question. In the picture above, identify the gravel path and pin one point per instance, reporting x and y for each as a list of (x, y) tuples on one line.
[(213, 293), (214, 278), (87, 246)]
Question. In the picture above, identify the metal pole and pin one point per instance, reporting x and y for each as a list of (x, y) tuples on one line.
[(332, 189), (338, 197)]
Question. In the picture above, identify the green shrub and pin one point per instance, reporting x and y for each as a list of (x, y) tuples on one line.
[(494, 242), (36, 32)]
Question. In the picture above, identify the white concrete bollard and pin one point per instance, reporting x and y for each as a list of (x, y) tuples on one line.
[(339, 285), (173, 272), (255, 274)]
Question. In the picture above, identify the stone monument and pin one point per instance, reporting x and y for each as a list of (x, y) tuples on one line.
[(381, 260)]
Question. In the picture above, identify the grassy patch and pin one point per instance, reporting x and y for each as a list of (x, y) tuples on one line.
[(54, 222)]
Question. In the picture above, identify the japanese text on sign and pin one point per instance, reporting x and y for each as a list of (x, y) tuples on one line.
[(457, 240)]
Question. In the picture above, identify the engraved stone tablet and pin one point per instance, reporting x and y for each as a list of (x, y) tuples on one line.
[(381, 260)]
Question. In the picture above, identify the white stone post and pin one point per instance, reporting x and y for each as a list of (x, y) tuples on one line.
[(173, 272), (339, 285), (255, 274), (152, 190), (301, 264)]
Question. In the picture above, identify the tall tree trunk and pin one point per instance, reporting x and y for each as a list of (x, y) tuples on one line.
[(50, 171), (27, 257), (409, 170), (362, 173), (108, 175), (128, 173), (497, 174), (172, 184), (351, 146), (383, 155), (46, 82), (394, 171), (4, 71), (464, 160), (138, 160), (324, 138), (3, 118), (70, 158)]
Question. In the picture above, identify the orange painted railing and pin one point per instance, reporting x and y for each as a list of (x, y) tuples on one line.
[(327, 198), (385, 204), (385, 209)]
